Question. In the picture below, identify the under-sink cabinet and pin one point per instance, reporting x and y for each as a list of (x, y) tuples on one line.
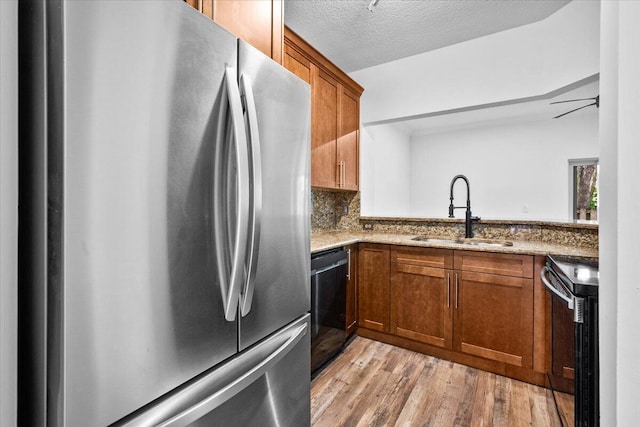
[(420, 297), (475, 308)]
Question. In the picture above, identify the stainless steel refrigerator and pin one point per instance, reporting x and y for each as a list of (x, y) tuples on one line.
[(164, 221)]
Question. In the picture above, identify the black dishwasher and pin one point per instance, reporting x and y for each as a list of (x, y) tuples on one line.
[(328, 306)]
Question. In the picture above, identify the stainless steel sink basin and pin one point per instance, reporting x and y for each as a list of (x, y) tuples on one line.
[(499, 243), (471, 242), (437, 240)]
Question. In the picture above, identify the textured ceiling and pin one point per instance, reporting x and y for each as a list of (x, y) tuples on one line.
[(354, 38)]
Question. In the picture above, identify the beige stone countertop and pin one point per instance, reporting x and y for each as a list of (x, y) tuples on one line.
[(325, 240)]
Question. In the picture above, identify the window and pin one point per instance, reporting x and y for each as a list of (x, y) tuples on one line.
[(583, 181)]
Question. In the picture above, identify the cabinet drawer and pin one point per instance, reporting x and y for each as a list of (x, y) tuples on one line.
[(424, 257), (493, 263)]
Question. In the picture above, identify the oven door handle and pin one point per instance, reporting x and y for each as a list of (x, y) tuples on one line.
[(564, 294)]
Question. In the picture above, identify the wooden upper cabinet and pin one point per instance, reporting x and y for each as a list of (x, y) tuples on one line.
[(258, 22), (297, 63), (335, 115), (348, 138), (324, 129)]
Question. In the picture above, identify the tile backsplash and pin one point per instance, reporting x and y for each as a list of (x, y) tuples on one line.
[(340, 210), (331, 210)]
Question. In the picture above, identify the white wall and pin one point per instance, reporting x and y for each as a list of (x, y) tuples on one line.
[(526, 61), (509, 167), (385, 157), (8, 208), (619, 290)]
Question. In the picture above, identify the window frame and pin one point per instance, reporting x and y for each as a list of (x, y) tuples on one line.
[(572, 193)]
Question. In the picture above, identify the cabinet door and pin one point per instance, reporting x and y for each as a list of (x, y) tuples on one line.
[(493, 317), (421, 304), (203, 6), (258, 22), (297, 64), (348, 140), (373, 287), (324, 129), (352, 290)]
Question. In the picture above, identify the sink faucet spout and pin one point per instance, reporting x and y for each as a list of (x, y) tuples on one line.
[(468, 232)]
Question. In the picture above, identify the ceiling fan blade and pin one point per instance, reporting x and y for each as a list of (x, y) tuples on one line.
[(573, 100), (576, 109)]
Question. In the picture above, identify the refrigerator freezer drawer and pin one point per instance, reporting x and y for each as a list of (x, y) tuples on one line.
[(266, 385)]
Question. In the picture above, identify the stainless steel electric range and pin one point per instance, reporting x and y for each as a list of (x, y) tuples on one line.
[(574, 335)]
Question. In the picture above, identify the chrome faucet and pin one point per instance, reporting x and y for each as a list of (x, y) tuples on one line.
[(468, 218)]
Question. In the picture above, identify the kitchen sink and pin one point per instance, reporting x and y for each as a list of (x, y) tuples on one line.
[(437, 240), (500, 243), (470, 242)]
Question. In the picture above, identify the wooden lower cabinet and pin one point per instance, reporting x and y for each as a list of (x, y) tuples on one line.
[(493, 317), (351, 314), (416, 298), (373, 287), (421, 304)]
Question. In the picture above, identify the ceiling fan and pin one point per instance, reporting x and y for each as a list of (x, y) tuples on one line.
[(595, 99)]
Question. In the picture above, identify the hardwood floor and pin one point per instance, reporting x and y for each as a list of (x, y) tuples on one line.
[(376, 384)]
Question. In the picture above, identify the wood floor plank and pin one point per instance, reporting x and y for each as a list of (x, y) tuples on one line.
[(405, 376), (368, 398), (437, 409), (324, 399), (464, 413), (543, 411), (565, 404), (418, 399), (520, 404), (451, 397), (345, 401), (482, 413), (374, 384)]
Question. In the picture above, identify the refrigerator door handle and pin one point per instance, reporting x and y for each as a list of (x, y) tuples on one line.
[(231, 294), (212, 390), (246, 92)]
